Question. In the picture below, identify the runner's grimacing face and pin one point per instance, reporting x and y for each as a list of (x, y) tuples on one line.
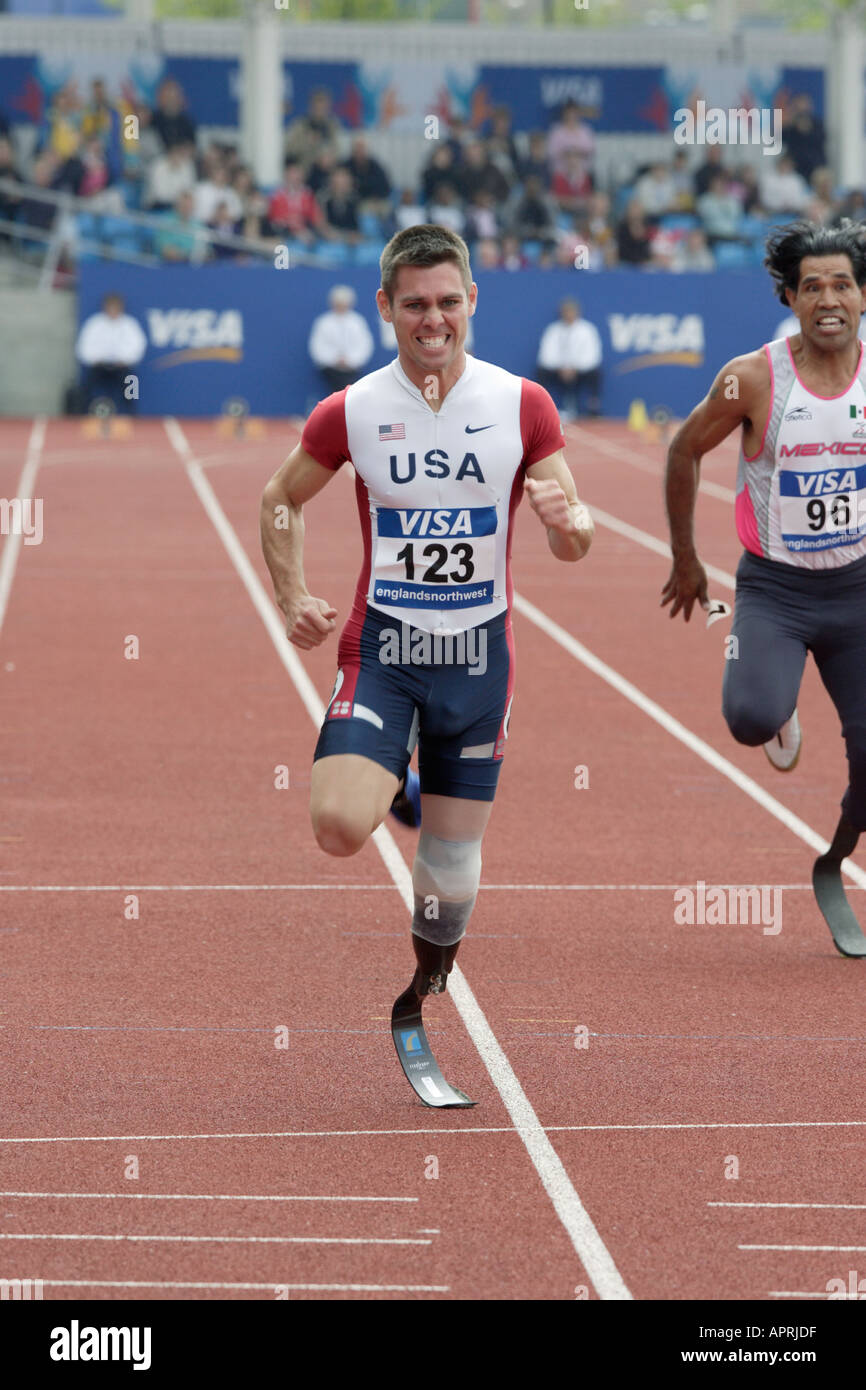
[(828, 302), (430, 314)]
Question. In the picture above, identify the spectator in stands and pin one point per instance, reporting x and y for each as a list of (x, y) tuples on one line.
[(598, 217), (317, 175), (181, 237), (61, 128), (852, 205), (39, 212), (572, 185), (578, 248), (138, 152), (170, 174), (8, 197), (171, 121), (719, 211), (95, 173), (99, 115), (570, 133), (683, 182), (805, 139), (744, 187), (341, 343), (371, 181), (657, 190), (692, 253), (711, 166), (569, 361), (634, 235), (501, 147), (340, 206), (534, 215), (823, 186), (482, 219), (293, 210), (536, 164), (445, 209), (487, 254), (306, 135), (254, 204), (110, 343), (782, 188), (440, 169), (224, 227), (409, 212), (214, 190), (513, 257)]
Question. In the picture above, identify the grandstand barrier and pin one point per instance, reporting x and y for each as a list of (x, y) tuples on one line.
[(220, 331)]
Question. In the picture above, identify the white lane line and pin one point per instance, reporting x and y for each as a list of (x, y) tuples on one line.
[(806, 1249), (14, 541), (236, 1240), (392, 1133), (178, 1284), (644, 465), (679, 731), (649, 542), (581, 1230), (796, 1293), (797, 1206), (362, 887), (201, 1197)]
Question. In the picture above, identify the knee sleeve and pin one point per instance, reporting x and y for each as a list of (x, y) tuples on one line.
[(445, 877)]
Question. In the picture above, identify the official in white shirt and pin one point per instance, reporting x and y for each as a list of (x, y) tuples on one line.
[(341, 343), (569, 361), (110, 344)]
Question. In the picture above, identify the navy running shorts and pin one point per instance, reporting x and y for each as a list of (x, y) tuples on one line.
[(398, 685)]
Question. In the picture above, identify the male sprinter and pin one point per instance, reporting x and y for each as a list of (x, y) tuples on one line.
[(442, 445), (801, 516)]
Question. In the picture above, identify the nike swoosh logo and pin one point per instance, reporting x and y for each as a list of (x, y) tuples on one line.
[(478, 428)]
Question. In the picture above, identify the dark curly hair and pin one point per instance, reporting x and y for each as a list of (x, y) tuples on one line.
[(786, 247)]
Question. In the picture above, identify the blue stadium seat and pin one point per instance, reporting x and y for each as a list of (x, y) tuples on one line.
[(679, 222), (369, 225), (334, 253), (730, 255), (532, 251)]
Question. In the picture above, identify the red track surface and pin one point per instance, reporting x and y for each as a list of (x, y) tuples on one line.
[(155, 1037)]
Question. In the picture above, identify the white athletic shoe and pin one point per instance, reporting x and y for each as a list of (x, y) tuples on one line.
[(784, 750)]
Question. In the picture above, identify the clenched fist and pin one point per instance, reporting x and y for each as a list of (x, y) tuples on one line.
[(309, 621)]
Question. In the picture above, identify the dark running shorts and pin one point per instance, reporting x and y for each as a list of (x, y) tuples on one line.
[(452, 696)]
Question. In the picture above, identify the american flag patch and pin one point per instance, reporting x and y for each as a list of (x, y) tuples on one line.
[(391, 432)]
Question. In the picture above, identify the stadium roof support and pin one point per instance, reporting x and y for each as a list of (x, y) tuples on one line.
[(261, 95), (845, 85)]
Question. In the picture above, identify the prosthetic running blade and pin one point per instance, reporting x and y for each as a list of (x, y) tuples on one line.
[(830, 894), (416, 1055)]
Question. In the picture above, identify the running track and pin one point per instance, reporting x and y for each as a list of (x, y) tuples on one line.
[(148, 1044)]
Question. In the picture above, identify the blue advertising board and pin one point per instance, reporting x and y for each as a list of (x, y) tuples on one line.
[(216, 332)]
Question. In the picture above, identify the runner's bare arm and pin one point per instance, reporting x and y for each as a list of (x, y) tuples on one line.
[(553, 497), (309, 620), (736, 395)]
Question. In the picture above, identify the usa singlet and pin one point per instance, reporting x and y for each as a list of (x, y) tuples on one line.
[(436, 490)]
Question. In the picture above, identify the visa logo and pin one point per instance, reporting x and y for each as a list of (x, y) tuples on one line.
[(814, 484), (439, 521), (195, 328)]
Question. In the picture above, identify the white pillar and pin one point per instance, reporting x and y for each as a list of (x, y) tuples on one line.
[(845, 74), (261, 94)]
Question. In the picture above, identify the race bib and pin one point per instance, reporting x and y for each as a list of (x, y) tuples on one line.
[(820, 510), (443, 557)]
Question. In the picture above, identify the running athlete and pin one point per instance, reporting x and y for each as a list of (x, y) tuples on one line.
[(800, 510), (443, 446)]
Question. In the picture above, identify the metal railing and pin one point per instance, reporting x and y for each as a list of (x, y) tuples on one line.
[(63, 234)]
